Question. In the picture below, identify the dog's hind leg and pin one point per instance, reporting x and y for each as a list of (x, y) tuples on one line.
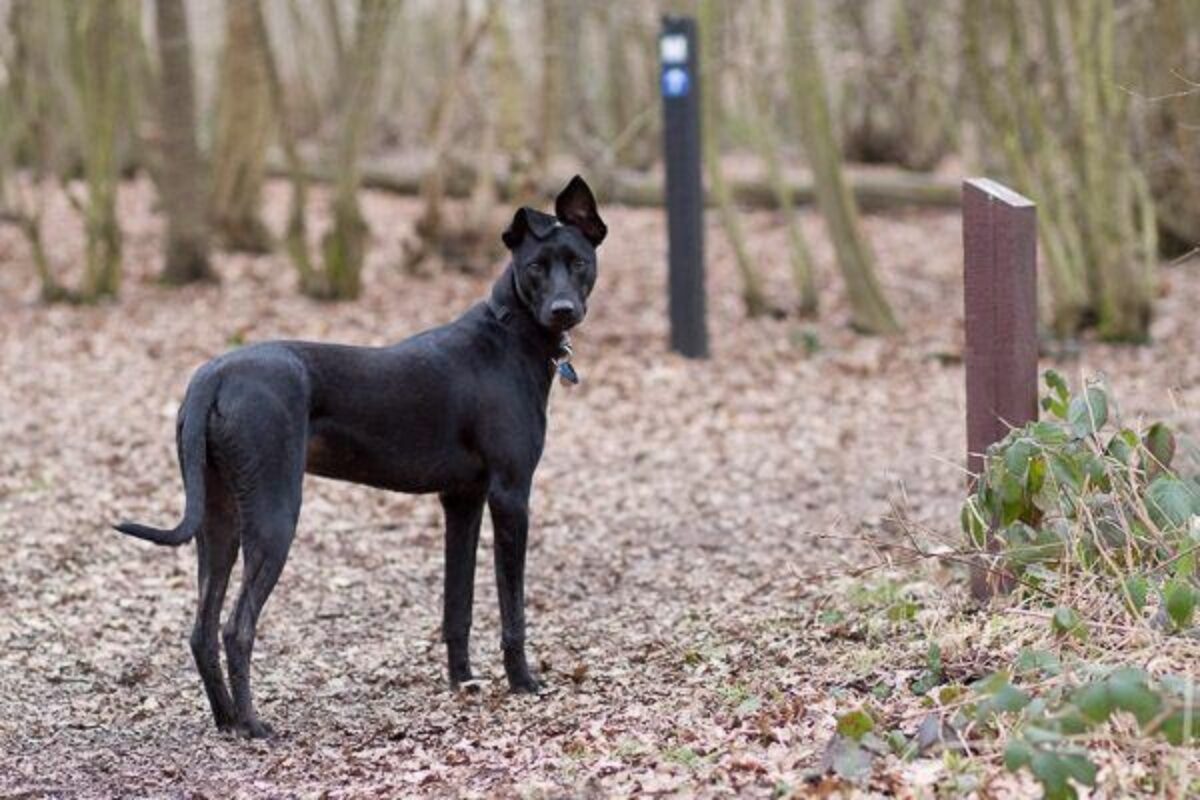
[(267, 532), (216, 550), (264, 453), (464, 513)]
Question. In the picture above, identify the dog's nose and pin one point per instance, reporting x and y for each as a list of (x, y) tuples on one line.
[(562, 309)]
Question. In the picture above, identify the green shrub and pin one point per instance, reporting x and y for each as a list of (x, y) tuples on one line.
[(1076, 491), (1074, 496)]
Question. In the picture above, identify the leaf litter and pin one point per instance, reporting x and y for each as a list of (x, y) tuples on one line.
[(688, 521)]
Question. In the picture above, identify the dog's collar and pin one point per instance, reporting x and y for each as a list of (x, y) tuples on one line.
[(500, 311), (561, 362)]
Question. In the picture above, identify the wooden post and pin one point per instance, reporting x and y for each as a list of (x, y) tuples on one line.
[(1000, 297), (684, 188)]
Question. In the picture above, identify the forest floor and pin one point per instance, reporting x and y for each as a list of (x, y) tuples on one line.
[(693, 522)]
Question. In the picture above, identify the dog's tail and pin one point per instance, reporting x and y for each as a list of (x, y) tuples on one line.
[(191, 437)]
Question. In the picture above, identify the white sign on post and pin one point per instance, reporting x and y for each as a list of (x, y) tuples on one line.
[(673, 48)]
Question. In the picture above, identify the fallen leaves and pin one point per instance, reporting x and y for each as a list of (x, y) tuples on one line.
[(682, 527)]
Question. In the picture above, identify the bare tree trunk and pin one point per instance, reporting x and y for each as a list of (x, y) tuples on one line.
[(869, 308), (1170, 121), (344, 245), (800, 259), (752, 292), (1125, 291), (296, 234), (243, 128), (26, 135), (102, 31), (181, 172), (432, 234)]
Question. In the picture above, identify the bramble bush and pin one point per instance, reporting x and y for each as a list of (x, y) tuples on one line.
[(1097, 525), (1073, 496), (1068, 494)]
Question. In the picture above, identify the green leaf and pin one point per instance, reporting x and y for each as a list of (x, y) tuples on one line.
[(1094, 701), (1017, 457), (855, 725), (1171, 502), (1071, 721), (1080, 768), (1160, 444), (1010, 699), (1051, 772), (1004, 698), (933, 658), (990, 684), (1130, 692), (1057, 383), (1012, 493), (1067, 622), (1017, 754), (1040, 736), (1180, 726), (1179, 597), (1123, 446), (1037, 475), (1056, 401), (1088, 412), (1067, 472), (1038, 662), (1049, 434), (1136, 588), (1096, 471)]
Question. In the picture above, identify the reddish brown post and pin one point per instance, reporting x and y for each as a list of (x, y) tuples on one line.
[(1000, 294)]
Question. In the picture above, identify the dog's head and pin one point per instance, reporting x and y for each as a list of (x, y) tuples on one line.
[(554, 257)]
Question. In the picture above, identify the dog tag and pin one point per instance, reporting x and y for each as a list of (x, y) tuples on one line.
[(567, 373)]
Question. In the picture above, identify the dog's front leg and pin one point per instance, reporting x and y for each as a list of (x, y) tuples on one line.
[(510, 519), (463, 516)]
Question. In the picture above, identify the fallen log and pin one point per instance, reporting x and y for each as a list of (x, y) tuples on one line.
[(875, 190)]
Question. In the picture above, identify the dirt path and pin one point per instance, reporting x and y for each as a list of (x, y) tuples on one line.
[(685, 516)]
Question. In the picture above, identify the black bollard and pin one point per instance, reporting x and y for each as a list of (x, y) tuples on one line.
[(684, 186)]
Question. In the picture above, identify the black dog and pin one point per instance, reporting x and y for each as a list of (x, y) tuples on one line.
[(459, 410)]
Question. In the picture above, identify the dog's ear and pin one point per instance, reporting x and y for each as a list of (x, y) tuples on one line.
[(527, 220), (575, 205)]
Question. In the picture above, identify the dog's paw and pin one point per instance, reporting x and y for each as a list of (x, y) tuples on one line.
[(524, 684), (253, 729), (469, 686), (463, 681), (460, 676)]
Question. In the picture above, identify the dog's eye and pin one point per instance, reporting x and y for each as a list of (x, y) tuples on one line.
[(578, 265), (535, 267)]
